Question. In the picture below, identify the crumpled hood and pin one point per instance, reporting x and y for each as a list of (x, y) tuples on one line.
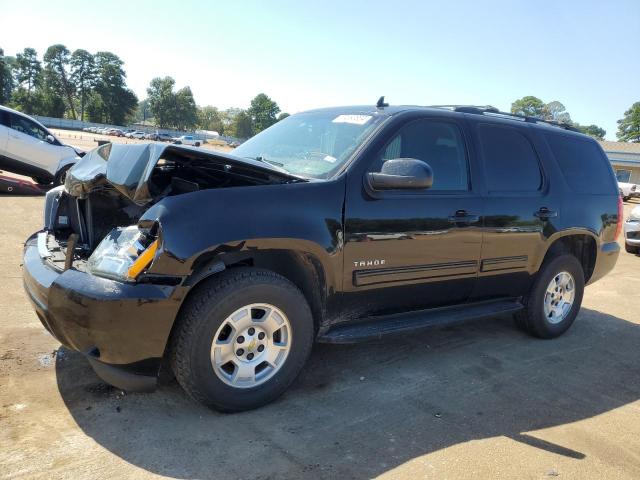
[(128, 168)]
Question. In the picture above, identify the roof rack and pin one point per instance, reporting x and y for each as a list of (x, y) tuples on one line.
[(493, 111)]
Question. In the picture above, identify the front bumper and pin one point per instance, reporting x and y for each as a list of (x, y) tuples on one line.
[(632, 232), (121, 328)]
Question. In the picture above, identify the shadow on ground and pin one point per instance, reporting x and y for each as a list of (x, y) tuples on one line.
[(359, 411)]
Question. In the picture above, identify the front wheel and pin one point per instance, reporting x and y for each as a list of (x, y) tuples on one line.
[(241, 339), (632, 249), (555, 298)]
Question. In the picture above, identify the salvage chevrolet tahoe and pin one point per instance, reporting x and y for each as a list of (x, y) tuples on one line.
[(334, 225)]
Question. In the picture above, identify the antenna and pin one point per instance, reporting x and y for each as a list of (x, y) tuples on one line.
[(381, 103)]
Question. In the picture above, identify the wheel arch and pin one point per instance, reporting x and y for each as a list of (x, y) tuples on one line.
[(581, 243)]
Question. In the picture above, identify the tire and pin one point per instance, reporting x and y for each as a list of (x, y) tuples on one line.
[(533, 318), (207, 312), (197, 144), (632, 249)]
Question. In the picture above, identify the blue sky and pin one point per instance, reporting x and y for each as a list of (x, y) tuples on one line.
[(307, 54)]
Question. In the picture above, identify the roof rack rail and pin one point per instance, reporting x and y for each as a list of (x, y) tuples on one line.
[(490, 110)]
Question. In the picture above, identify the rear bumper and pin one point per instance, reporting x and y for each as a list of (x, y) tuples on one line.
[(606, 259), (121, 328)]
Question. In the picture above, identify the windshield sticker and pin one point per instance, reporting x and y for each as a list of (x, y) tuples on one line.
[(354, 119), (330, 159)]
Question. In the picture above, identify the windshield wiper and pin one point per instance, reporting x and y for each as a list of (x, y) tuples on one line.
[(278, 165)]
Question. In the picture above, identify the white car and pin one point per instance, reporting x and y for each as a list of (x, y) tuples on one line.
[(628, 190), (28, 148), (136, 134), (632, 231), (187, 140)]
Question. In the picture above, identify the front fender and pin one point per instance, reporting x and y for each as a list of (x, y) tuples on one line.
[(229, 223)]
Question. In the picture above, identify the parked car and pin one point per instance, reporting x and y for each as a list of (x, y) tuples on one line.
[(28, 148), (632, 232), (628, 190), (164, 137), (187, 140), (407, 218), (136, 134)]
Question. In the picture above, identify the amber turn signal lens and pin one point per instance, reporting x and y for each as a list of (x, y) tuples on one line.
[(143, 260)]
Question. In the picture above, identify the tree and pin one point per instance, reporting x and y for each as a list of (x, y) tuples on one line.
[(242, 126), (556, 112), (263, 112), (592, 130), (529, 106), (186, 112), (117, 102), (27, 72), (629, 125), (283, 115), (6, 81), (210, 118), (83, 75), (162, 100), (56, 71)]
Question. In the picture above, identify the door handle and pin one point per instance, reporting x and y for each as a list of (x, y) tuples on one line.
[(544, 213), (462, 216)]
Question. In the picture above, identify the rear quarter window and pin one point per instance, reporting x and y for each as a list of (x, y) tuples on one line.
[(584, 166)]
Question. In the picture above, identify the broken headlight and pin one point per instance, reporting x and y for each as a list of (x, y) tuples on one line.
[(123, 254)]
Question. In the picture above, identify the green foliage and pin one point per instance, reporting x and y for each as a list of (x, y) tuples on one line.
[(263, 112), (283, 115), (27, 72), (83, 76), (118, 102), (210, 118), (161, 100), (169, 108), (592, 130), (529, 106), (56, 74), (242, 126), (629, 125), (6, 80)]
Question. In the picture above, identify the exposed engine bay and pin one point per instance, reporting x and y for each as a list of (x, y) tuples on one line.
[(113, 185)]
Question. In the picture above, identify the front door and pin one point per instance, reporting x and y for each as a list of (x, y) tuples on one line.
[(409, 250)]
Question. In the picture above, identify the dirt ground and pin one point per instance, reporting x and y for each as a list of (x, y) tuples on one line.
[(476, 401)]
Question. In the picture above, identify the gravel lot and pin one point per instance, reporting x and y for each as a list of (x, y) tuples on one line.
[(482, 400)]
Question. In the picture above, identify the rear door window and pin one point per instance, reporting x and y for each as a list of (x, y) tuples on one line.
[(584, 166), (510, 162)]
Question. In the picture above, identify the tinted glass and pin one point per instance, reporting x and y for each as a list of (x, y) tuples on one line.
[(26, 126), (511, 164), (584, 166), (439, 144), (623, 176)]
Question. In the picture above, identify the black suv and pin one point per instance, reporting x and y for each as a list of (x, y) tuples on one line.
[(334, 225)]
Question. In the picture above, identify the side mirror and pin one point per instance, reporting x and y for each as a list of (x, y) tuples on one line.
[(50, 139), (402, 174)]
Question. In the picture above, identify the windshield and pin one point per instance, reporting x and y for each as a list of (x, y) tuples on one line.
[(314, 144)]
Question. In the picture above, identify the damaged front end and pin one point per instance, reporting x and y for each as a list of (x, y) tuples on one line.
[(93, 223), (88, 271)]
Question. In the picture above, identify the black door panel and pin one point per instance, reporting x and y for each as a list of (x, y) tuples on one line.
[(412, 250)]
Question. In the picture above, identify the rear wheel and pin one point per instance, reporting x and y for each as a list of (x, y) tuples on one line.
[(241, 339), (555, 298)]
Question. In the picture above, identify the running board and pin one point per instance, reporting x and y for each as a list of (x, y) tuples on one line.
[(376, 327)]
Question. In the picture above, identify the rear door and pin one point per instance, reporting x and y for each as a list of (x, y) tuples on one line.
[(520, 207), (409, 250)]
